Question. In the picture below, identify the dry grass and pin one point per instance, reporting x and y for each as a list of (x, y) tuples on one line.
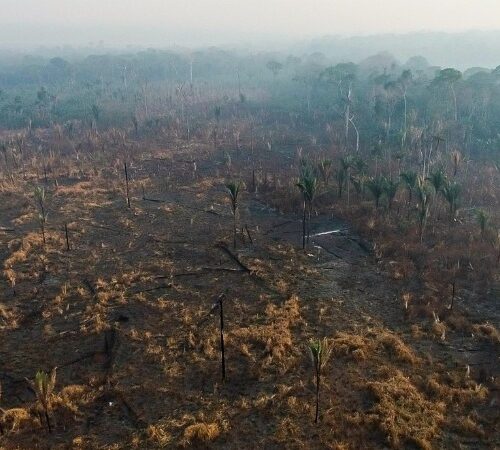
[(200, 433), (487, 332), (362, 346), (403, 413), (16, 418), (456, 389)]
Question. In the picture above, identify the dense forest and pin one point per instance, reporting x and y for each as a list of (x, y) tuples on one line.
[(382, 101)]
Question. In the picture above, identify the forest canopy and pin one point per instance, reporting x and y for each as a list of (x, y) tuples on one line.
[(388, 99)]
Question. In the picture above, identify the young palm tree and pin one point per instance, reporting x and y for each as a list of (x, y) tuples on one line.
[(390, 190), (341, 179), (451, 192), (483, 219), (359, 182), (359, 165), (437, 179), (346, 164), (233, 192), (377, 187), (409, 179), (44, 385), (308, 185), (320, 354), (325, 170), (42, 213), (377, 152)]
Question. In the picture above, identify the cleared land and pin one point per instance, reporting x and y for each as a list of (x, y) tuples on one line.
[(127, 318)]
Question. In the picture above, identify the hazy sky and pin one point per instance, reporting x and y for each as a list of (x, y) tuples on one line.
[(164, 22)]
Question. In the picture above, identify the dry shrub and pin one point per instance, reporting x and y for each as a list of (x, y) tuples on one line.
[(453, 390), (403, 414), (201, 432), (416, 331), (402, 269), (71, 396), (66, 404), (290, 311), (359, 355), (468, 425), (21, 248), (158, 436), (396, 347), (439, 330), (458, 322), (359, 346), (340, 446), (8, 317), (345, 344), (271, 343), (487, 332), (15, 418), (287, 431), (78, 442)]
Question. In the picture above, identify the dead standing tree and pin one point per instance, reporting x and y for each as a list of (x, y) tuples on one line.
[(126, 184), (220, 300), (233, 192), (42, 213)]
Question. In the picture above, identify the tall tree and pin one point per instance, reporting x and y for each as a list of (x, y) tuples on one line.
[(404, 81), (449, 77)]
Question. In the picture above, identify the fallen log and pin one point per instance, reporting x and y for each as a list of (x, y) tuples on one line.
[(223, 269), (81, 358), (249, 235), (278, 226), (161, 286), (327, 250), (234, 257), (154, 200)]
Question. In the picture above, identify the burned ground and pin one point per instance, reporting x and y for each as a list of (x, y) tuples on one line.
[(126, 315)]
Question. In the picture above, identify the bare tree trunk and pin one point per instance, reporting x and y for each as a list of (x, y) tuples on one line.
[(357, 133), (454, 102), (67, 236), (48, 421), (234, 229), (309, 207), (304, 227), (318, 380), (347, 115), (405, 123), (126, 184), (223, 356)]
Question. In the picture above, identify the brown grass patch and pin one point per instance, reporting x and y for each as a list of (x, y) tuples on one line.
[(15, 418), (201, 432), (403, 413), (453, 390), (487, 332), (361, 346)]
